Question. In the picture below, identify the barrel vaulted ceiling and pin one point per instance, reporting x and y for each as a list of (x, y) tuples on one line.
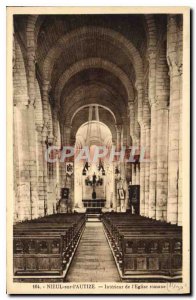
[(89, 59)]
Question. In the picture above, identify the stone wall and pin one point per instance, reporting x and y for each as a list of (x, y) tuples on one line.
[(149, 114)]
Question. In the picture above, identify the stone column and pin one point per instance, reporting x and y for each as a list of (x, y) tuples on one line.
[(32, 160), (140, 99), (56, 143), (180, 162), (66, 134), (142, 172), (31, 117), (137, 166), (162, 159), (180, 68), (173, 167), (118, 136), (45, 140), (69, 180), (133, 168), (40, 166), (174, 120), (153, 162), (144, 166), (147, 170), (162, 98), (151, 97), (53, 189), (45, 100), (23, 207), (146, 149)]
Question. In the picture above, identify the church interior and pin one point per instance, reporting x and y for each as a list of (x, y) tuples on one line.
[(108, 81)]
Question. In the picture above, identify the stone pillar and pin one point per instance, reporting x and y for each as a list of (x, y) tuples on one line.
[(144, 165), (180, 68), (174, 120), (31, 76), (45, 167), (53, 189), (66, 140), (68, 180), (142, 172), (153, 163), (162, 98), (32, 160), (118, 136), (45, 100), (162, 160), (137, 166), (21, 151), (40, 165), (180, 162), (147, 170), (56, 143), (23, 207), (151, 98), (146, 149), (133, 168), (45, 141), (140, 99)]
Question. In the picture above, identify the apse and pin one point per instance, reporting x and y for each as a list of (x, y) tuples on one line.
[(93, 178)]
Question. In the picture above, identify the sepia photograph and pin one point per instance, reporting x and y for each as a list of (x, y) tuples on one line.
[(98, 108)]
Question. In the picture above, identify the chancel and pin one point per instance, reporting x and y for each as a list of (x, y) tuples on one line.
[(98, 84)]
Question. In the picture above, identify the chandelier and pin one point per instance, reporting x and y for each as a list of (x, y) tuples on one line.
[(93, 109)]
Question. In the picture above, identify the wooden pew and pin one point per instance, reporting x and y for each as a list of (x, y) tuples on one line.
[(44, 246), (144, 247)]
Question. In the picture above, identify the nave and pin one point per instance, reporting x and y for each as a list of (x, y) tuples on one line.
[(111, 83)]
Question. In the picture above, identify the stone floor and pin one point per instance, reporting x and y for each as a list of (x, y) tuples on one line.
[(93, 260)]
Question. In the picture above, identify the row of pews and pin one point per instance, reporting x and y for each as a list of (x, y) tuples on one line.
[(144, 247), (44, 247)]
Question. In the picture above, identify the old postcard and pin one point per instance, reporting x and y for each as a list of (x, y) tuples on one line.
[(98, 145)]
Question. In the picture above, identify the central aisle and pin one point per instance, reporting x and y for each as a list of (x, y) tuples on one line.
[(93, 260)]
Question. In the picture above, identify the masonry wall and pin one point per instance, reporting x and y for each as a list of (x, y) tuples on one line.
[(153, 121)]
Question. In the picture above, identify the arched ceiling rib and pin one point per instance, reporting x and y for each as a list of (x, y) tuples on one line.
[(50, 28), (92, 63), (97, 77), (82, 117), (74, 51), (106, 35), (93, 93)]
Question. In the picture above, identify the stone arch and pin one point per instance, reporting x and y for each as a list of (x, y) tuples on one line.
[(93, 63), (75, 126), (19, 76), (82, 95), (82, 139), (112, 35), (82, 107), (83, 90)]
